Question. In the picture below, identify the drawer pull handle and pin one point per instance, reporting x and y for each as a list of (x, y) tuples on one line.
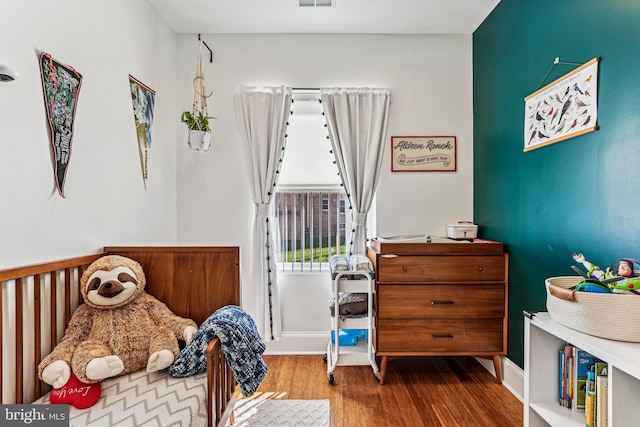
[(404, 268), (441, 302), (435, 336), (479, 268)]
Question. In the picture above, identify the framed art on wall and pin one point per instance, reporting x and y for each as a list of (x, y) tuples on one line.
[(563, 109), (423, 154)]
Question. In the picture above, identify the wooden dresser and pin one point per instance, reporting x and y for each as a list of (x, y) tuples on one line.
[(438, 299)]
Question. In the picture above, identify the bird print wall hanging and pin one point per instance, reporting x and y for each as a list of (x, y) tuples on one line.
[(566, 108), (143, 99), (60, 87)]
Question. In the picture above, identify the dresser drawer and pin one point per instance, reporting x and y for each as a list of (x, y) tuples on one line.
[(441, 268), (440, 301), (439, 335)]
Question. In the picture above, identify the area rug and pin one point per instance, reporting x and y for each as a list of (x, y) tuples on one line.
[(289, 413)]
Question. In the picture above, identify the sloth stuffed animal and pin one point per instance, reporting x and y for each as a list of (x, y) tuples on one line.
[(119, 329)]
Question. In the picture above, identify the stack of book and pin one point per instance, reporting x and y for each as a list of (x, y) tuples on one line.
[(597, 395), (583, 384)]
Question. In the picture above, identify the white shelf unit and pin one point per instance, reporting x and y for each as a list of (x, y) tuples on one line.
[(543, 339), (363, 353)]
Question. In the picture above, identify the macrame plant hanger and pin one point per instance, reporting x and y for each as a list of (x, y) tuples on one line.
[(199, 105)]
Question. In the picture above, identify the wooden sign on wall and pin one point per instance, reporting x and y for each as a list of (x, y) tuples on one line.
[(423, 154)]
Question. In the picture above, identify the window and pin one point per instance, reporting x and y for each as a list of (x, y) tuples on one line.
[(310, 202)]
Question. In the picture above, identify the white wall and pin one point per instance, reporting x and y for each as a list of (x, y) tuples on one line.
[(431, 82), (210, 204), (106, 201)]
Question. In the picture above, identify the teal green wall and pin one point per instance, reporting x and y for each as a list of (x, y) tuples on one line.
[(578, 195)]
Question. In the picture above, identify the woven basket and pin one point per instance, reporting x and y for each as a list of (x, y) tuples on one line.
[(611, 316)]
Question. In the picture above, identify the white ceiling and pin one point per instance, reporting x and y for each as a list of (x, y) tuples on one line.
[(346, 16)]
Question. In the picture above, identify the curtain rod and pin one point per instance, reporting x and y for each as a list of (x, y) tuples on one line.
[(305, 96)]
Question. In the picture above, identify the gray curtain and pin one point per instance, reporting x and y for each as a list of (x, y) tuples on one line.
[(262, 113), (357, 121)]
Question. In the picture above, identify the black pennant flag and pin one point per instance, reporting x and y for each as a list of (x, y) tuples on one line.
[(61, 87)]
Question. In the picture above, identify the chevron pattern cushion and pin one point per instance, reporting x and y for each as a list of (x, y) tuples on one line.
[(145, 399)]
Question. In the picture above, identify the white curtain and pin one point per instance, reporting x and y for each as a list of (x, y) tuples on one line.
[(357, 122), (262, 113)]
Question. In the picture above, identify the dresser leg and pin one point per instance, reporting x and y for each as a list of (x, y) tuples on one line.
[(496, 366), (383, 368)]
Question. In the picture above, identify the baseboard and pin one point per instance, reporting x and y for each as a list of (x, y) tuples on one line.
[(512, 375), (299, 343)]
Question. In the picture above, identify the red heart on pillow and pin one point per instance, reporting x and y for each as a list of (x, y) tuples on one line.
[(76, 393)]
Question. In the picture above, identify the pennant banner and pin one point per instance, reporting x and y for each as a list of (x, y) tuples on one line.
[(61, 87), (143, 99)]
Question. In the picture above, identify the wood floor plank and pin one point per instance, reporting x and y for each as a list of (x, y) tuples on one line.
[(418, 392)]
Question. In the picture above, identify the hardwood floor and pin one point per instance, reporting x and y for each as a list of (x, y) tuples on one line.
[(418, 391)]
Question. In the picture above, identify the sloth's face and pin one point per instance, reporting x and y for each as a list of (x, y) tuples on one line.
[(112, 287)]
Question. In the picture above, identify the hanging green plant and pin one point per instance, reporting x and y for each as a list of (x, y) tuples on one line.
[(196, 121)]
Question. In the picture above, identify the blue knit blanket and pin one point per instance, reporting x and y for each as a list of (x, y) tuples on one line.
[(241, 344)]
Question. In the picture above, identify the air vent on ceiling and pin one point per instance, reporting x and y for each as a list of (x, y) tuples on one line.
[(316, 3)]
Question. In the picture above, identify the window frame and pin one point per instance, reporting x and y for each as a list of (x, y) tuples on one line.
[(293, 218)]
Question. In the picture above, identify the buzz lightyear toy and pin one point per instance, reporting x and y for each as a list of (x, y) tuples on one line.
[(615, 280), (624, 279)]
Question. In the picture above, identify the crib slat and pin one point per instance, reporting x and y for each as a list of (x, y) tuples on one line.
[(37, 333), (210, 380), (67, 295), (19, 343), (221, 385), (80, 273), (231, 382), (53, 319)]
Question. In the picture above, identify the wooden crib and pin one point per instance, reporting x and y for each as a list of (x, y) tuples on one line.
[(37, 301)]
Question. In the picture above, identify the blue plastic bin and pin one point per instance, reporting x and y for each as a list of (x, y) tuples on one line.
[(348, 337)]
